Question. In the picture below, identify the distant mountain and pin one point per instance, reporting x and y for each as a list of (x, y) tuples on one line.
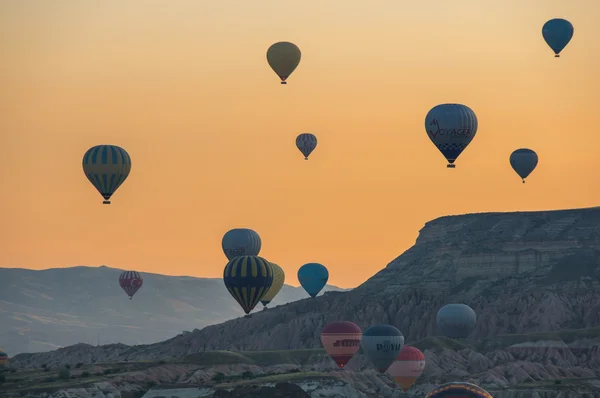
[(48, 309)]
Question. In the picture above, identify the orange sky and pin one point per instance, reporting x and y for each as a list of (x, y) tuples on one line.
[(185, 88)]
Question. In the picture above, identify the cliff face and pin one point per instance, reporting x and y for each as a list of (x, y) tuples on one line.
[(521, 273)]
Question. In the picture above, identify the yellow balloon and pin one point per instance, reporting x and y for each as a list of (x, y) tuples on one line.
[(278, 279), (283, 57)]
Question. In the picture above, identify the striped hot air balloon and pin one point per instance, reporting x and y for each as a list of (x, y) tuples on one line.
[(248, 278), (341, 341), (3, 358), (407, 368), (306, 143), (131, 282), (107, 167), (458, 390)]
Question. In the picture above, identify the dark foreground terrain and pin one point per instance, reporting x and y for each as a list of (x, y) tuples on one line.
[(552, 365)]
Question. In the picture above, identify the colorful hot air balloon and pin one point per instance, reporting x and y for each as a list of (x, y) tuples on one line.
[(407, 368), (283, 57), (306, 143), (451, 127), (341, 341), (107, 167), (458, 390), (131, 282), (382, 344), (248, 278), (4, 358), (557, 33), (241, 242), (313, 277), (278, 280), (523, 161), (456, 321)]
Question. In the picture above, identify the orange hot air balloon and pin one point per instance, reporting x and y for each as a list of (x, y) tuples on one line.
[(341, 341), (407, 368)]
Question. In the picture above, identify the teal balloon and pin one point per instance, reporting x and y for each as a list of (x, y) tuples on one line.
[(313, 277), (557, 33), (382, 344), (248, 278)]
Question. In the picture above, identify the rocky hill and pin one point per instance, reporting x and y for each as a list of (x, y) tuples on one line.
[(45, 310), (545, 365)]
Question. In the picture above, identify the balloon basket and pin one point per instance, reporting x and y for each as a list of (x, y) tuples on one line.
[(557, 56), (451, 166), (106, 202), (283, 82)]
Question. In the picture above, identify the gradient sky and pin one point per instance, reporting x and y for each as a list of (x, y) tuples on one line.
[(185, 88)]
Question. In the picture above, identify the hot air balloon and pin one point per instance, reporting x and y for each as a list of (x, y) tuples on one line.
[(4, 358), (306, 143), (248, 278), (382, 344), (241, 242), (278, 279), (341, 341), (407, 368), (523, 161), (456, 321), (107, 167), (451, 127), (131, 282), (458, 390), (313, 277), (283, 57), (557, 33)]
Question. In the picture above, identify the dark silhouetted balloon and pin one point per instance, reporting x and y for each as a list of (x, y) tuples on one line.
[(557, 33), (130, 282), (313, 277), (382, 344), (523, 161), (456, 321), (241, 242)]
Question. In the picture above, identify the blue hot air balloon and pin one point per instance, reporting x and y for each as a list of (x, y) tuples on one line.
[(313, 277), (306, 143), (451, 128), (382, 344), (456, 321), (557, 33), (107, 167), (248, 278), (241, 242), (523, 161)]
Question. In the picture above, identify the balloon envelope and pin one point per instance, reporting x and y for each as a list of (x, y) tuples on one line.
[(283, 57), (523, 161), (241, 242), (456, 321), (557, 33), (306, 143), (451, 127), (3, 358), (407, 367), (382, 344), (107, 167), (313, 277), (341, 341), (458, 390), (278, 280), (130, 282), (248, 278)]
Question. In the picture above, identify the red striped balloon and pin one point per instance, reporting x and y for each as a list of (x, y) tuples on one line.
[(131, 282), (408, 367), (341, 341)]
